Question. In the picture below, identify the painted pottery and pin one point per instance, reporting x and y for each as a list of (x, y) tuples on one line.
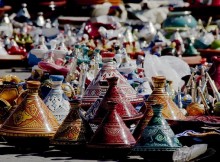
[(56, 100), (157, 138), (112, 134), (108, 70), (74, 131), (5, 109), (170, 110), (144, 120), (9, 91), (31, 123), (124, 108), (214, 71), (195, 109), (179, 20)]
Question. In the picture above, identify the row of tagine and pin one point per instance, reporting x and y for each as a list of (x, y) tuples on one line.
[(105, 114)]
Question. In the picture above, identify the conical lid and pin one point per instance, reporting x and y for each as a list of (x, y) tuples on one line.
[(157, 135), (108, 70), (145, 119), (31, 118), (112, 132), (170, 110), (124, 108), (74, 130)]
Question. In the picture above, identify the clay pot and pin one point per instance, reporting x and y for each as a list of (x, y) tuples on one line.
[(157, 139), (144, 120), (112, 136), (74, 132), (170, 110), (56, 100), (31, 124), (124, 108), (108, 70)]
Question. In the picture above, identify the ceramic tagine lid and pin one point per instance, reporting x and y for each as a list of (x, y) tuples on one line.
[(74, 130), (108, 70), (31, 118), (112, 133), (170, 110), (124, 108), (145, 119), (56, 100), (157, 136)]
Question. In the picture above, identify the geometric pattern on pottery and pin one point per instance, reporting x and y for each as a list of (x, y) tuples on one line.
[(112, 132), (108, 70), (170, 110), (157, 135), (30, 118), (74, 130), (57, 103)]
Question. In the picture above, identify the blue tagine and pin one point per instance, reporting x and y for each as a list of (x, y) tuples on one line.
[(157, 139), (56, 100)]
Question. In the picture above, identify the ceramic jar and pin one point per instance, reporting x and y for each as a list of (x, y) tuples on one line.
[(108, 70), (31, 123), (112, 135), (56, 100), (74, 130), (157, 138), (170, 110), (144, 120), (179, 20), (124, 108)]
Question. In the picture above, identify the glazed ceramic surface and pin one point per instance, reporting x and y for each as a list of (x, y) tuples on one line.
[(157, 135), (31, 118), (56, 100), (124, 108), (74, 130), (144, 120), (170, 110), (180, 19), (10, 91), (112, 132), (108, 70)]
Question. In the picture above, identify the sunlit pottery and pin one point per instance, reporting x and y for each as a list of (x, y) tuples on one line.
[(52, 68), (179, 20), (108, 70), (157, 140), (31, 124), (148, 113), (5, 109), (112, 136), (170, 110), (56, 100), (74, 132), (124, 108), (9, 91), (195, 109)]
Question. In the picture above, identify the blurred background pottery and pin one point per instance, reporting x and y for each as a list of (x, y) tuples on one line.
[(179, 20)]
